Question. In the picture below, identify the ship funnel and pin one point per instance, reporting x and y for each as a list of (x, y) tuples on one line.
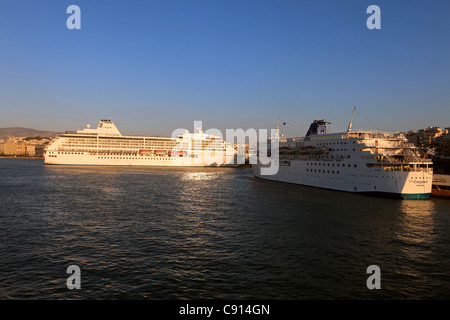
[(317, 127)]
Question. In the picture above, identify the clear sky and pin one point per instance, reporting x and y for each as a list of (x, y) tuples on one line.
[(154, 66)]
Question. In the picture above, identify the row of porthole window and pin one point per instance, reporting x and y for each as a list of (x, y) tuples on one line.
[(327, 164), (332, 143), (318, 170), (126, 158)]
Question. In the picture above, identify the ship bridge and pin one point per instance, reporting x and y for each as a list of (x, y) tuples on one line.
[(104, 128)]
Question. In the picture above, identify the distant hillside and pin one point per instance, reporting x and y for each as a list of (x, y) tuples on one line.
[(25, 132)]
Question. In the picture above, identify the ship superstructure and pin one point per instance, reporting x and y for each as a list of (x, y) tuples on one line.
[(105, 145), (362, 161)]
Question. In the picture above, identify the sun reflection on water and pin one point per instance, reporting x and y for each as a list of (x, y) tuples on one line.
[(418, 236), (199, 176)]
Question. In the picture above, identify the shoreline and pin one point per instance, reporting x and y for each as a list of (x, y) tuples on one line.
[(19, 157)]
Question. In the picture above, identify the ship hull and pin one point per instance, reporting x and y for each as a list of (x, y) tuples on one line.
[(82, 159), (408, 185)]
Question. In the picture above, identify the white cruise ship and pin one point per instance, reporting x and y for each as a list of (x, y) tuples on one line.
[(369, 162), (105, 145)]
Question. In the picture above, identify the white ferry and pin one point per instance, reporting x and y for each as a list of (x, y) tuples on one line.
[(363, 161), (105, 145)]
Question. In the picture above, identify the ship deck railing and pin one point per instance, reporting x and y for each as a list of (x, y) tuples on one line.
[(376, 135), (402, 166)]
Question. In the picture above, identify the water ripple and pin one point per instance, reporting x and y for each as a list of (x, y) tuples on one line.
[(210, 233)]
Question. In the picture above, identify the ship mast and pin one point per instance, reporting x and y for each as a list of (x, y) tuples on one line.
[(350, 124)]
